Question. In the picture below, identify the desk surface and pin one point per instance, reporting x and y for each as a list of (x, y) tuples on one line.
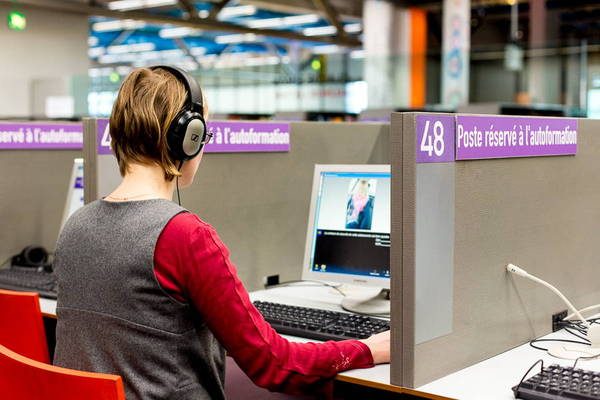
[(494, 377), (490, 379)]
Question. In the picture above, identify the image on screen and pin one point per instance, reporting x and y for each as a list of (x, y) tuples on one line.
[(359, 207), (351, 227)]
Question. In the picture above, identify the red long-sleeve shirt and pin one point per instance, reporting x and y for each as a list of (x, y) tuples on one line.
[(192, 265)]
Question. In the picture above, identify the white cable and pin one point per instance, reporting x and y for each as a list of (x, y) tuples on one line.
[(521, 272), (581, 311)]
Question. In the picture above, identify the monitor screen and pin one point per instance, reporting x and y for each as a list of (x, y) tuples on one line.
[(74, 199), (348, 236)]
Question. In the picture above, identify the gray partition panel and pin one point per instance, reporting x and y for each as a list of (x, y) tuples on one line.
[(540, 213), (259, 202), (34, 186)]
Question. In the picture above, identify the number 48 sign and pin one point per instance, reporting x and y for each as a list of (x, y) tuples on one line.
[(435, 138)]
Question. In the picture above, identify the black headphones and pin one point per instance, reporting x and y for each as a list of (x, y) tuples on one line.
[(31, 256), (187, 132)]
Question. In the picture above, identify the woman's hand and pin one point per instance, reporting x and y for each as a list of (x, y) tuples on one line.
[(379, 344)]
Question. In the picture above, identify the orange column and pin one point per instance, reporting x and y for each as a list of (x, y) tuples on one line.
[(418, 60)]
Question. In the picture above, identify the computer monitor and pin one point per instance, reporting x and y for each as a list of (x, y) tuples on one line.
[(348, 236), (75, 192)]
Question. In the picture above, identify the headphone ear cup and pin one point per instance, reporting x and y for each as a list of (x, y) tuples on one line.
[(194, 136), (31, 256), (186, 135)]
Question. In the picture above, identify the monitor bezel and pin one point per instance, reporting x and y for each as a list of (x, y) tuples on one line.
[(307, 272)]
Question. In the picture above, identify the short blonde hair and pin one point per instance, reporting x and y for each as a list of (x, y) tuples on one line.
[(147, 103)]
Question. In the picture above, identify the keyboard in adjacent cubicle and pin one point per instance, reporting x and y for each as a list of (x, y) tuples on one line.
[(27, 279), (311, 323)]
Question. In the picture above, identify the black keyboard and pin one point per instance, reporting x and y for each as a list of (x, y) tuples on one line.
[(556, 382), (29, 280), (317, 324)]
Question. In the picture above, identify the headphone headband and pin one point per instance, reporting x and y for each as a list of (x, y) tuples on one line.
[(194, 93)]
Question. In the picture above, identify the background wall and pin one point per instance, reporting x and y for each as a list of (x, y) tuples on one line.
[(45, 50)]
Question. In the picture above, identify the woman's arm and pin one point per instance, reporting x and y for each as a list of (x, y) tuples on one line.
[(192, 263)]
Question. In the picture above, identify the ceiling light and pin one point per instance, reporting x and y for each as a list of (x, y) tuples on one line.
[(198, 51), (320, 30), (179, 32), (94, 52), (327, 49), (284, 21), (237, 38), (353, 28), (117, 25), (236, 11), (122, 5), (131, 48), (331, 30)]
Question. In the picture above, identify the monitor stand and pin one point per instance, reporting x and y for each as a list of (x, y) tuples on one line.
[(378, 304)]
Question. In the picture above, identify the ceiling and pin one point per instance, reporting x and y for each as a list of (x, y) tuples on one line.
[(258, 32)]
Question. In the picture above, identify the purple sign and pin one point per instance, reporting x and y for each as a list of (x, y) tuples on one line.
[(435, 138), (103, 137), (248, 136), (228, 137), (43, 135), (479, 137)]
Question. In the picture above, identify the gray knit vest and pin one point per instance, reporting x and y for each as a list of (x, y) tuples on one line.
[(113, 317)]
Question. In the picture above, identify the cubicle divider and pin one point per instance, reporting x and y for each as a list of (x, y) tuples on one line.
[(36, 160), (471, 194), (256, 198)]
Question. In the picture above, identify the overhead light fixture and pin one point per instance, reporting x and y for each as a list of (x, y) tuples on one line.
[(236, 11), (94, 52), (131, 48), (198, 51), (123, 5), (284, 21), (353, 28), (327, 49), (320, 30), (237, 38), (179, 32), (258, 61), (331, 30), (117, 25)]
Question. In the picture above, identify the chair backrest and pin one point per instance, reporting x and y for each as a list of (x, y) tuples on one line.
[(21, 325), (25, 379)]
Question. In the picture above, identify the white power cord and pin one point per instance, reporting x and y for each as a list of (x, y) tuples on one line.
[(593, 330), (521, 272)]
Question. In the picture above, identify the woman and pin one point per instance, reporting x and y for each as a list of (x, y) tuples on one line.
[(146, 288)]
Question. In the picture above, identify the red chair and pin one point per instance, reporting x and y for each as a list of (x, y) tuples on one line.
[(21, 325), (25, 379)]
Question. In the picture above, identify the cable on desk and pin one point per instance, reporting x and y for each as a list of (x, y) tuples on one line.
[(568, 329), (527, 373), (315, 283), (531, 343)]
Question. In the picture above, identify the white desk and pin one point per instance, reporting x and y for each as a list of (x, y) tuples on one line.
[(490, 379), (493, 378)]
